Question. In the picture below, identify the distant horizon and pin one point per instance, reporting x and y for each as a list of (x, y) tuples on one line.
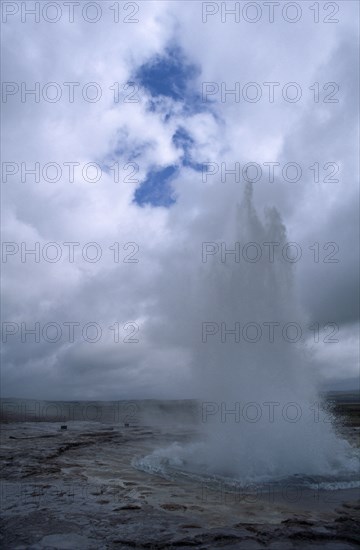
[(341, 388)]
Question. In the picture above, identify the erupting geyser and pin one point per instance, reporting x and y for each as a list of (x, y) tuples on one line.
[(260, 411)]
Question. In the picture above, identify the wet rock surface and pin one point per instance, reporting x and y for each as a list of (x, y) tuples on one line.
[(78, 489)]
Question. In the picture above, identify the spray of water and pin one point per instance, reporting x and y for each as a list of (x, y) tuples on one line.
[(260, 412)]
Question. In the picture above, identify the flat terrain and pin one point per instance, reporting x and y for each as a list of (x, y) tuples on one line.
[(78, 488)]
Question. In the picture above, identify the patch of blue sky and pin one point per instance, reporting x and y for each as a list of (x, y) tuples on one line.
[(183, 140), (156, 190), (167, 75), (168, 80), (171, 76)]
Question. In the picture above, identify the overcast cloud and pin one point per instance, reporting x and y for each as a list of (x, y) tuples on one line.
[(163, 131)]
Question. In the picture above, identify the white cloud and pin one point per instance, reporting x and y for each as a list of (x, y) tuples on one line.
[(168, 239)]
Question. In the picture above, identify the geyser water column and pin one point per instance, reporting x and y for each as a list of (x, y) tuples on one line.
[(258, 389), (256, 385)]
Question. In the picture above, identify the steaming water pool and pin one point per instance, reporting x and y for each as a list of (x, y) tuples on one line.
[(175, 463)]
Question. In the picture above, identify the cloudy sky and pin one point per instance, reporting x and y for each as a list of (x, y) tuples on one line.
[(120, 121)]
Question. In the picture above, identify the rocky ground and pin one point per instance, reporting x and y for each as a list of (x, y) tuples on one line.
[(77, 489)]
